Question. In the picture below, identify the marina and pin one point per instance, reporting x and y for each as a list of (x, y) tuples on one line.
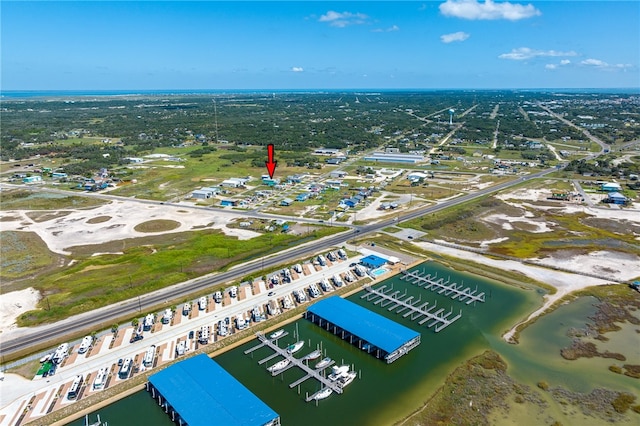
[(453, 290), (329, 384), (415, 310), (373, 333)]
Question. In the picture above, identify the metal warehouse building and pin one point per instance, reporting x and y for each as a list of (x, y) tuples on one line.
[(377, 335), (198, 391)]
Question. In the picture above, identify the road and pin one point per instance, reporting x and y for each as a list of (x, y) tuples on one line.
[(604, 146), (104, 317)]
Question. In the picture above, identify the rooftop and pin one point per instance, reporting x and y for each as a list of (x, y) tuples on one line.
[(200, 390), (382, 332)]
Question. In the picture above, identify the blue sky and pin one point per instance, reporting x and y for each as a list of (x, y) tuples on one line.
[(319, 45)]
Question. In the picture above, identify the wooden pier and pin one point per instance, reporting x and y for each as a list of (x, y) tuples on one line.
[(455, 291), (415, 309), (295, 362)]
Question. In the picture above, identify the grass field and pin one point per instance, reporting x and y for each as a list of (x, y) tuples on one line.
[(18, 199), (147, 264), (163, 180), (23, 254)]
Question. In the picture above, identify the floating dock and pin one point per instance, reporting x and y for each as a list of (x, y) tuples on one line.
[(310, 373), (453, 290), (377, 335), (199, 392), (415, 309)]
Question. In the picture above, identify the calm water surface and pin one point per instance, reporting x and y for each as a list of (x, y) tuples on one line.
[(384, 393)]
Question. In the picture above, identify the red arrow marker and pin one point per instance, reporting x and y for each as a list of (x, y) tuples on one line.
[(271, 163)]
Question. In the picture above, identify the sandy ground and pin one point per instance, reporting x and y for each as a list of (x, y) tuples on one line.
[(74, 229), (15, 303), (564, 282)]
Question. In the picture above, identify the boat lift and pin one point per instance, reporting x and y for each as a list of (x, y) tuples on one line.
[(454, 290), (439, 318), (295, 362)]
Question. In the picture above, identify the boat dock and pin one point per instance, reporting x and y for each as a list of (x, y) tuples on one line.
[(415, 309), (295, 362), (454, 290)]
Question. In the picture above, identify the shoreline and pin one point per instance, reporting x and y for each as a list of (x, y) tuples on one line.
[(212, 352)]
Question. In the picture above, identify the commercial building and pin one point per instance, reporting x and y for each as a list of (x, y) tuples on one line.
[(394, 157)]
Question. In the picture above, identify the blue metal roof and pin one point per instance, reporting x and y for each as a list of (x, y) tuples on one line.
[(203, 393), (380, 331), (373, 261)]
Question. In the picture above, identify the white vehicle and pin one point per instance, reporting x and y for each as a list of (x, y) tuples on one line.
[(181, 348), (217, 296), (149, 356), (166, 318), (101, 378), (348, 276), (61, 353), (331, 256), (313, 291), (337, 280), (148, 322), (85, 344), (324, 283), (321, 260), (186, 309), (241, 323), (287, 303), (298, 268), (75, 388), (202, 303), (233, 291), (222, 328), (360, 270), (204, 335), (342, 254), (125, 369)]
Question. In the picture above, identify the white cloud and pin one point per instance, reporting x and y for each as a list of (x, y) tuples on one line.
[(604, 65), (551, 66), (387, 30), (343, 19), (555, 66), (459, 36), (565, 62), (523, 53), (297, 69), (472, 9)]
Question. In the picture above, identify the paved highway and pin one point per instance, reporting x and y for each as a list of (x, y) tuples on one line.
[(104, 317)]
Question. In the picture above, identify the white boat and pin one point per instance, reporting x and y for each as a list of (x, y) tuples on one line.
[(337, 372), (323, 363), (292, 349), (276, 334), (279, 365), (324, 393), (313, 355), (347, 378)]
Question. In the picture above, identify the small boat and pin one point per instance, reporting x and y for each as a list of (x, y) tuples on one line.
[(347, 378), (338, 371), (295, 347), (279, 365), (324, 393), (276, 334), (313, 355), (324, 362)]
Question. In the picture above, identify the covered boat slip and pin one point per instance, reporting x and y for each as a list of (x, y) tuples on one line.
[(198, 391), (369, 331)]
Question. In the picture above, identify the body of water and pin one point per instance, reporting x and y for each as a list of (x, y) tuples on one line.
[(384, 393)]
